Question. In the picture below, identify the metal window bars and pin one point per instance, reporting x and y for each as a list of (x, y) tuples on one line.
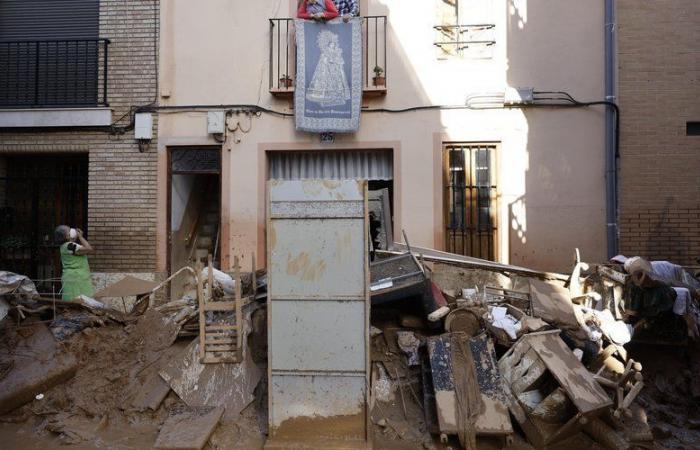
[(470, 200), (54, 73), (471, 40), (282, 55)]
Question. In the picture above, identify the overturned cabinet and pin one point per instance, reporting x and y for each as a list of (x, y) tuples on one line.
[(318, 317)]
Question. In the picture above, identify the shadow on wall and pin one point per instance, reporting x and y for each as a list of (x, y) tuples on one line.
[(560, 204)]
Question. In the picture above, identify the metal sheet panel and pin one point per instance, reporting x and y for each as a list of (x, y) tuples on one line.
[(323, 335), (326, 396), (323, 260), (318, 323)]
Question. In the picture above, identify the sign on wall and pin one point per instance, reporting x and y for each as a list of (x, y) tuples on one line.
[(328, 92)]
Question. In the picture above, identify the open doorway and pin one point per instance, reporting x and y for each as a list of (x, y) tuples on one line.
[(194, 212), (375, 166)]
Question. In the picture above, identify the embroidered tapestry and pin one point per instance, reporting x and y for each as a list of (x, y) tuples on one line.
[(328, 92)]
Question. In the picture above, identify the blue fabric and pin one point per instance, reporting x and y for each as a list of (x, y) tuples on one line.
[(346, 7), (328, 92)]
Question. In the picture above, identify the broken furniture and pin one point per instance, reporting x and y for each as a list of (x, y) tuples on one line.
[(452, 372), (552, 395), (318, 314), (220, 322), (397, 277), (380, 225)]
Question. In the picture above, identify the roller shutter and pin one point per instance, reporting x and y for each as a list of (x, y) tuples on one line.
[(49, 19)]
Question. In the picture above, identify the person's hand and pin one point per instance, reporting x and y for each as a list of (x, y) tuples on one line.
[(79, 232)]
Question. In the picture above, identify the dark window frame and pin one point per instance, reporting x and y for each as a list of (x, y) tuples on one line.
[(471, 199)]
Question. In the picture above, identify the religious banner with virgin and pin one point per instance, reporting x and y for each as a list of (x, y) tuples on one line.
[(328, 92)]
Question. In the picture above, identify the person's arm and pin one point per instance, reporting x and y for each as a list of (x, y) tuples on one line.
[(331, 10), (84, 246), (301, 12)]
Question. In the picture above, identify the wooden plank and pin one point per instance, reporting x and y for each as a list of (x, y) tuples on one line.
[(580, 386), (552, 303), (188, 429), (219, 327), (151, 393), (219, 348), (220, 341), (238, 301), (210, 274), (202, 316), (220, 306)]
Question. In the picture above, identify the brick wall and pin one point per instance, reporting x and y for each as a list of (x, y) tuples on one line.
[(658, 85), (122, 181)]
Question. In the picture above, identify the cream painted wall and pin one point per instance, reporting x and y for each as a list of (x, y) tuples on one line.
[(551, 161)]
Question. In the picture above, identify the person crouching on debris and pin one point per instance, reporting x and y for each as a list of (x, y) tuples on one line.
[(317, 10), (76, 271)]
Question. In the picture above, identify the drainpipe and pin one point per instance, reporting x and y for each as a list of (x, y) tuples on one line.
[(611, 150)]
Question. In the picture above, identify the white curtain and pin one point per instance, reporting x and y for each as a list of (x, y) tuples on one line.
[(331, 165)]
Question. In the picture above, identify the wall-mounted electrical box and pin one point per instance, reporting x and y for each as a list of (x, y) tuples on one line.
[(143, 126), (216, 122)]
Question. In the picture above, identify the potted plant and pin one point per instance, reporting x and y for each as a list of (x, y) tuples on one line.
[(286, 81), (378, 79)]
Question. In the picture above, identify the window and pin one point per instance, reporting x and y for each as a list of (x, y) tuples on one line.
[(51, 54), (465, 28), (692, 128), (470, 200)]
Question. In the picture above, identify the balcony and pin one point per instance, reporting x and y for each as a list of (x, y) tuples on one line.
[(283, 56), (53, 74)]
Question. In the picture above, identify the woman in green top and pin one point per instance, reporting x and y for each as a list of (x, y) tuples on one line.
[(76, 271)]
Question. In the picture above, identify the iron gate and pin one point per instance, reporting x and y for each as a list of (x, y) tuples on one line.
[(37, 193)]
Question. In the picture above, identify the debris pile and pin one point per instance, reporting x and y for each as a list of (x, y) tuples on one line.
[(465, 353), (82, 373), (522, 359)]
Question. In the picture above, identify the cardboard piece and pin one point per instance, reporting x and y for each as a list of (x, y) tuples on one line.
[(127, 287)]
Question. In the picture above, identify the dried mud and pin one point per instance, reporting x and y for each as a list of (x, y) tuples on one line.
[(94, 408)]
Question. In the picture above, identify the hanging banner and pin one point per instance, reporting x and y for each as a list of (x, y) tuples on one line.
[(328, 92)]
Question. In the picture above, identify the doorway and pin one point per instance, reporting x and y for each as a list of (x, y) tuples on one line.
[(194, 230), (37, 193)]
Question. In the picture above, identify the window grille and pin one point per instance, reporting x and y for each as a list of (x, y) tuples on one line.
[(470, 199)]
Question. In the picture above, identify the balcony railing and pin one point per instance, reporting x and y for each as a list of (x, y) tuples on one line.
[(283, 55), (470, 41), (53, 73)]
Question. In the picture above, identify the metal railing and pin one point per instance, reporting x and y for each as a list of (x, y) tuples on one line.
[(476, 40), (283, 54), (53, 73)]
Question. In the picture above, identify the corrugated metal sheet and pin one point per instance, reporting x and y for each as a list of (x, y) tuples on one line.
[(318, 325), (49, 19), (331, 165)]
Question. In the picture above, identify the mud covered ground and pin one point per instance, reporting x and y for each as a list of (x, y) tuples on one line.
[(93, 409), (671, 393)]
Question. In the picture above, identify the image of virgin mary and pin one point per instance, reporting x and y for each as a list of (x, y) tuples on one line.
[(329, 86)]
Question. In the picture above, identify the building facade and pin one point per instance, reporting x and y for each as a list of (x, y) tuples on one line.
[(72, 75), (658, 79), (522, 185)]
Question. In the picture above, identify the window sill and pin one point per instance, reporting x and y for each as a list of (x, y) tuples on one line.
[(55, 117)]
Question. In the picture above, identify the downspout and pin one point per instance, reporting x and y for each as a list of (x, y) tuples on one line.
[(611, 140)]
